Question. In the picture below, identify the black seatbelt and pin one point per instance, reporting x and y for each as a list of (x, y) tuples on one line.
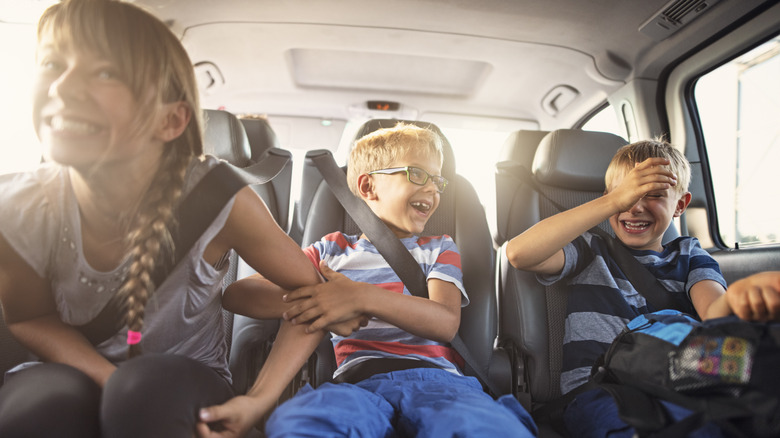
[(267, 168), (637, 274), (390, 247), (195, 213)]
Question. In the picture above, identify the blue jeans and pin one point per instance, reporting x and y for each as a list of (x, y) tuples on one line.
[(595, 414), (421, 402)]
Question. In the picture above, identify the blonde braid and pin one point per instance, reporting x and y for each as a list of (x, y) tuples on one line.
[(151, 239)]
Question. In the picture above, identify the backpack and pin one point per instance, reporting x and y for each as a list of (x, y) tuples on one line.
[(724, 370)]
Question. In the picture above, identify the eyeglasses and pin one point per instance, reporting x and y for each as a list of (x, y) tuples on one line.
[(415, 175)]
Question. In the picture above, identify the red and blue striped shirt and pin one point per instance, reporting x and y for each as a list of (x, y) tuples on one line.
[(359, 260)]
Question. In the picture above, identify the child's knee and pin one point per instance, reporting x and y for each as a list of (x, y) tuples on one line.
[(159, 392), (147, 374), (47, 400), (338, 409)]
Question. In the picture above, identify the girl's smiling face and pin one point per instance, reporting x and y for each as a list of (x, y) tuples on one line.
[(84, 112)]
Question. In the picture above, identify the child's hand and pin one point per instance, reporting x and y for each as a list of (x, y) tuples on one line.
[(233, 419), (346, 328), (645, 177), (756, 297), (327, 304)]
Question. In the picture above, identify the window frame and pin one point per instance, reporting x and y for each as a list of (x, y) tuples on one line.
[(684, 122)]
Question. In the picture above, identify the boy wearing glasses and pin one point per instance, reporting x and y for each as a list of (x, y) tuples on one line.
[(397, 375)]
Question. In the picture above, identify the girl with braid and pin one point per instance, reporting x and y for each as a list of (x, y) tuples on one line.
[(117, 110)]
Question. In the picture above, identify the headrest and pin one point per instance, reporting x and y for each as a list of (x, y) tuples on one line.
[(225, 138), (521, 146), (261, 136), (448, 168), (575, 159)]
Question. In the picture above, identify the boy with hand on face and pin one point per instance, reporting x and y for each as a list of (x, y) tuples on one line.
[(646, 187), (397, 375)]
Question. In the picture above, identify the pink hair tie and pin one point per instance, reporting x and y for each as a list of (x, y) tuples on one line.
[(133, 337)]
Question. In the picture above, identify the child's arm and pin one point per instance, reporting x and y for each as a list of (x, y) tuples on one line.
[(31, 316), (253, 233), (256, 297), (708, 299), (292, 346), (540, 248), (235, 417), (436, 318), (754, 298)]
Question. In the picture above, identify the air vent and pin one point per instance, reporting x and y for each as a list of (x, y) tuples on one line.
[(673, 16)]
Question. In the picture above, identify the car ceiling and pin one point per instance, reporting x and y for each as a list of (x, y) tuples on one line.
[(549, 62)]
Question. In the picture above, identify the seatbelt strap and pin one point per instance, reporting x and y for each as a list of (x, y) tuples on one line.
[(267, 168), (195, 213), (390, 247), (470, 365), (643, 280)]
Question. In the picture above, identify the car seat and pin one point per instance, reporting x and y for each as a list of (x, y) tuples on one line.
[(249, 339), (518, 148), (460, 215), (247, 143), (276, 194), (568, 167)]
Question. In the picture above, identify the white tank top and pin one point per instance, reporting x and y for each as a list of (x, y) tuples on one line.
[(40, 219)]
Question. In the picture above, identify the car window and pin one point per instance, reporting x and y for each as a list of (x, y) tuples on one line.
[(739, 106), (476, 154), (605, 120)]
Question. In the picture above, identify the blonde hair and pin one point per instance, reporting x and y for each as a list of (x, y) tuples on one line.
[(628, 156), (384, 148), (151, 58)]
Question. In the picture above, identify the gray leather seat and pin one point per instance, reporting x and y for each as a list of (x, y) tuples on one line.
[(226, 138), (518, 149), (460, 215), (247, 142), (569, 167), (276, 194)]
